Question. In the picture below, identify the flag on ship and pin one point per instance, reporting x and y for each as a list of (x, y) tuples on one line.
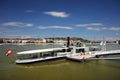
[(9, 52), (103, 42)]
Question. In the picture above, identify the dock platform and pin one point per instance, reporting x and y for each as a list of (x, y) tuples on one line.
[(95, 56)]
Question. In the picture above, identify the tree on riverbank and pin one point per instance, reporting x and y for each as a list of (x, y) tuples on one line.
[(51, 39)]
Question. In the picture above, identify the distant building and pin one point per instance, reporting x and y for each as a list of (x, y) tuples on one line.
[(118, 41), (1, 40), (25, 40)]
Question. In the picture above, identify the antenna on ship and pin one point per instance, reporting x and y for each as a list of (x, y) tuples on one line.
[(68, 41), (53, 41)]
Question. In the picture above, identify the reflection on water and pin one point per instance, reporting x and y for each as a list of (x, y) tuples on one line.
[(57, 70), (46, 64)]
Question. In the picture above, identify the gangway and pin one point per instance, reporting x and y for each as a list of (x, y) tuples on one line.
[(111, 52)]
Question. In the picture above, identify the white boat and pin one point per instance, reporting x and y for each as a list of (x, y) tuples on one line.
[(71, 52), (75, 52), (41, 55)]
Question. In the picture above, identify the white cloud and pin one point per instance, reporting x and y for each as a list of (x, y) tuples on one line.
[(115, 28), (57, 14), (12, 35), (26, 36), (17, 24), (29, 25), (116, 34), (91, 24), (3, 29), (97, 27), (104, 28), (112, 38), (54, 27), (29, 11), (94, 28)]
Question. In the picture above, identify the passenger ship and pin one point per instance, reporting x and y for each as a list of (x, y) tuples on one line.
[(41, 55), (72, 52), (53, 53)]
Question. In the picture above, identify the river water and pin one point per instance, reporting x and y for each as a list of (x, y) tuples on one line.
[(56, 70)]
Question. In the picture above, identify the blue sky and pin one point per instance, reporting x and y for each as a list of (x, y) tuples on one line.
[(88, 19)]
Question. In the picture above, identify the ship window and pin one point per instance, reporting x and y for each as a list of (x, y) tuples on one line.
[(69, 50), (80, 50), (64, 50), (46, 54), (94, 49), (27, 56)]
